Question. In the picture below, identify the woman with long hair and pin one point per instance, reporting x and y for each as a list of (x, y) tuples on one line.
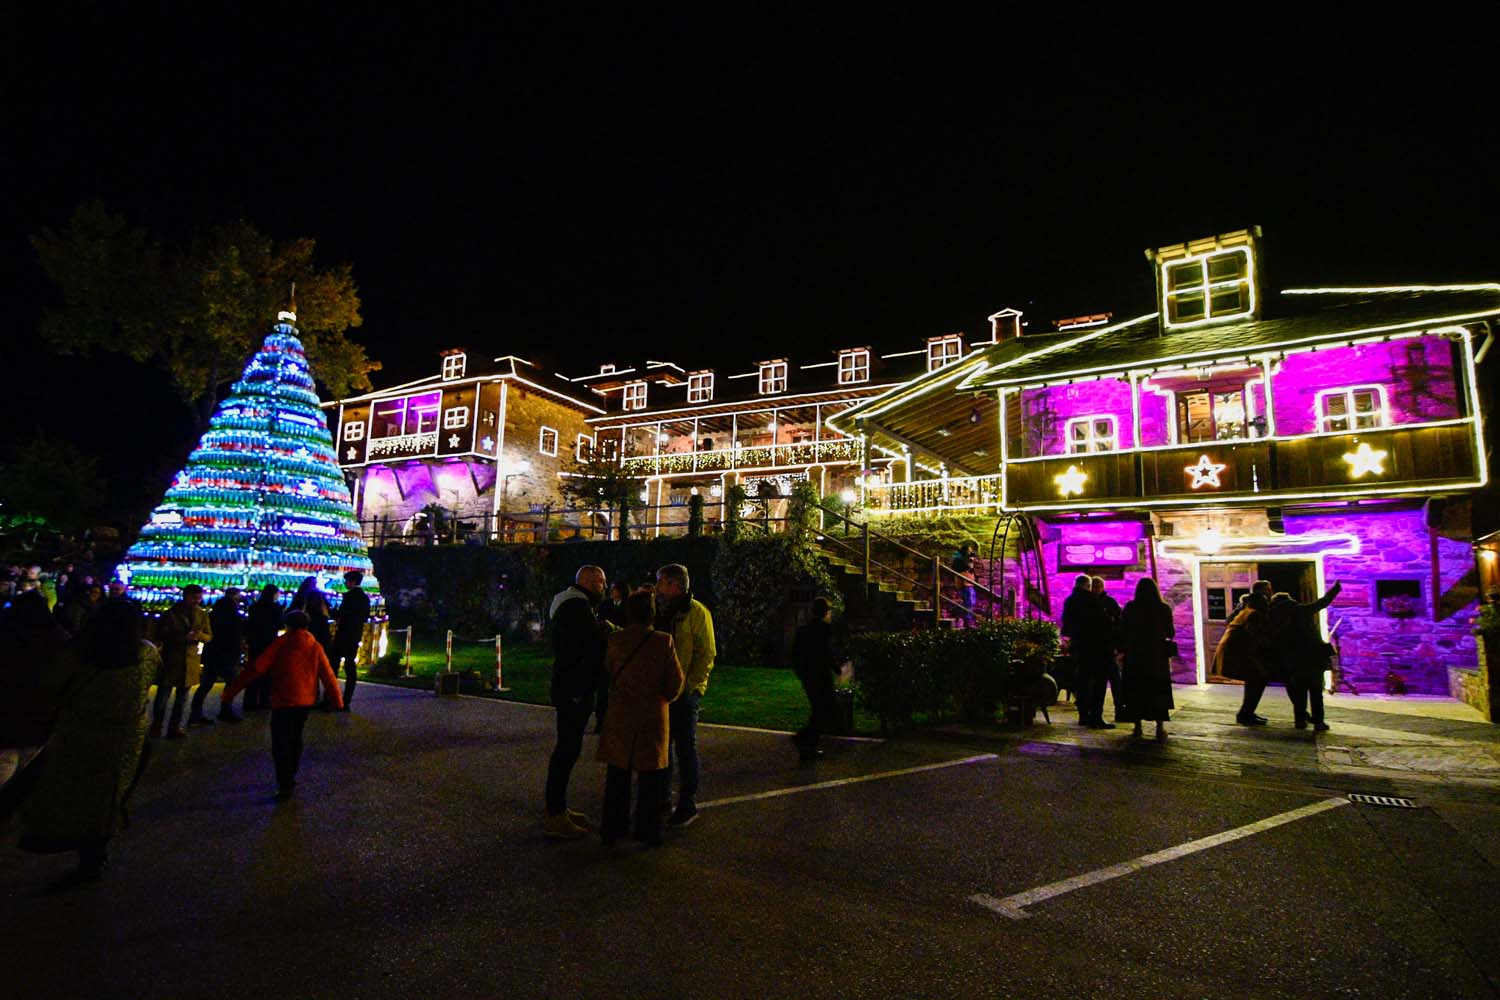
[(1146, 630)]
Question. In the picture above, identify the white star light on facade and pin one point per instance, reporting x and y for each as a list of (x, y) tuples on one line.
[(453, 440), (488, 443), (1365, 459), (1070, 483), (1204, 472), (351, 453)]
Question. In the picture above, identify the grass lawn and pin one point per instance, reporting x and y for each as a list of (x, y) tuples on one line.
[(767, 697)]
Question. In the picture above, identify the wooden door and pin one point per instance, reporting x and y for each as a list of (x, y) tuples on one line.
[(1221, 586)]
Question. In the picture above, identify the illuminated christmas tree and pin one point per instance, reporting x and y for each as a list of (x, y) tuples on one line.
[(261, 500)]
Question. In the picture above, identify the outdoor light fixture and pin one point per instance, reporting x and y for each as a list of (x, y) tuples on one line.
[(1070, 483), (715, 491), (848, 496), (1365, 459), (1210, 541)]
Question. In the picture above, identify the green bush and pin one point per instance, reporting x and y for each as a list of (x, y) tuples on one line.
[(942, 674), (389, 665)]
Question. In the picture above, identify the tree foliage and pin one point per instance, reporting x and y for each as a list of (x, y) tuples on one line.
[(47, 479), (605, 486), (197, 309)]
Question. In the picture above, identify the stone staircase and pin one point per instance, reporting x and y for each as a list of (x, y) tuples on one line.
[(882, 601)]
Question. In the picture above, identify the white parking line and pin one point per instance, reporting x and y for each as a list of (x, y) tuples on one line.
[(1014, 906), (837, 782)]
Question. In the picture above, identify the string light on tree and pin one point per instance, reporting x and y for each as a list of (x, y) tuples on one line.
[(261, 500)]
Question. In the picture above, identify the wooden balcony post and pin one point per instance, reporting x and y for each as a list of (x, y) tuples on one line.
[(864, 529), (937, 591)]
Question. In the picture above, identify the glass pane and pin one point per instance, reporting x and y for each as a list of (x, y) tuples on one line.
[(1367, 420), (1080, 431), (1229, 415), (1188, 306), (1184, 275), (1104, 428), (1334, 406), (1364, 401), (1193, 422), (1225, 267), (1228, 300)]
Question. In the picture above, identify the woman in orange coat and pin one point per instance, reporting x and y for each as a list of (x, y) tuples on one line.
[(644, 678)]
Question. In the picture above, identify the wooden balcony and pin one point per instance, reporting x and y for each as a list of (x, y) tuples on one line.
[(1432, 456), (757, 457)]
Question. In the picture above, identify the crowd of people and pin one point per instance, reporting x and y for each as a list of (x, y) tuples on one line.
[(1128, 652), (75, 733)]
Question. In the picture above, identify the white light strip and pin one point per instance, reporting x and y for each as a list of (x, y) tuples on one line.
[(1488, 286), (755, 405), (1261, 499)]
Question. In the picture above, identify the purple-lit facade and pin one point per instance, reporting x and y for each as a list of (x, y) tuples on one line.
[(1233, 435)]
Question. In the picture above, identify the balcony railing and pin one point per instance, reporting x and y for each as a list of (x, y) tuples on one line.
[(757, 457), (404, 445), (970, 493), (1363, 463)]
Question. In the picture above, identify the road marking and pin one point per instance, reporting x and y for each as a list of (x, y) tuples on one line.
[(787, 732), (1014, 906), (820, 785)]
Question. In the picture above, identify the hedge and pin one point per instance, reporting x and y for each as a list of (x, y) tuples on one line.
[(943, 674)]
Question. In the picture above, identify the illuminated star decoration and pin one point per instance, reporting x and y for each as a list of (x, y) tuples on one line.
[(1204, 472), (453, 440), (1070, 483), (488, 443), (307, 488), (1365, 459), (351, 453)]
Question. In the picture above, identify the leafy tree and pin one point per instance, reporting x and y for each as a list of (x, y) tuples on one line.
[(47, 479), (197, 309), (603, 485)]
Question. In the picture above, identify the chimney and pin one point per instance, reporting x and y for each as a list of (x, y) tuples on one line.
[(1005, 325)]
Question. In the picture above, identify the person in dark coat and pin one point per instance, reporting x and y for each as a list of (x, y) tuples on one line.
[(265, 623), (612, 610), (1111, 611), (82, 604), (183, 630), (578, 664), (1145, 628), (1243, 652), (644, 679), (1299, 644), (354, 611), (221, 657), (94, 756), (816, 662), (1091, 645), (32, 644)]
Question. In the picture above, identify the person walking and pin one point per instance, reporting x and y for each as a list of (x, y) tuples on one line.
[(578, 644), (644, 677), (963, 568), (295, 663), (1109, 660), (816, 662), (1242, 655), (354, 611), (94, 755), (183, 630), (221, 657), (264, 624), (1146, 630), (692, 629), (1087, 630), (1299, 644)]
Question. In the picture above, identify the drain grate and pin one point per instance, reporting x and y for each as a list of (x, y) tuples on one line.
[(1388, 801)]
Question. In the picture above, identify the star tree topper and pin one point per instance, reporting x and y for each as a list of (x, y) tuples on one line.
[(1365, 459), (1204, 472)]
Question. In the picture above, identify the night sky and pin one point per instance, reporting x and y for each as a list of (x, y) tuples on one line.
[(576, 191)]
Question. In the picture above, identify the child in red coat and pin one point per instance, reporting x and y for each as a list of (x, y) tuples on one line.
[(295, 662)]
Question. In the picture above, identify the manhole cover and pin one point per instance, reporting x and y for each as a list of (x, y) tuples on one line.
[(1389, 801)]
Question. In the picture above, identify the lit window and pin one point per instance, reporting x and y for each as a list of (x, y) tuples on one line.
[(700, 387), (635, 396), (1086, 434), (354, 431), (608, 450), (854, 366), (1352, 409), (454, 365), (944, 351), (547, 442), (455, 417), (606, 369), (1211, 286), (583, 448), (772, 377)]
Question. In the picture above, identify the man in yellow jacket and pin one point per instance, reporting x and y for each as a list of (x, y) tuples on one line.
[(692, 630)]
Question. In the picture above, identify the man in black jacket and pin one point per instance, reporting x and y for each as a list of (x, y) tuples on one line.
[(816, 662), (354, 611), (578, 643), (221, 657), (1086, 627)]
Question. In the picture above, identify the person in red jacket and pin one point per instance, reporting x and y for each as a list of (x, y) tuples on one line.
[(295, 662)]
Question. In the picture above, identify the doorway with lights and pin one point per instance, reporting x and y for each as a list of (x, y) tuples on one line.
[(1222, 585)]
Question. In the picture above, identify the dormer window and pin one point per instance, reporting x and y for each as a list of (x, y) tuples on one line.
[(772, 377), (943, 351), (700, 387), (854, 366), (1209, 286), (454, 365), (606, 369), (635, 396)]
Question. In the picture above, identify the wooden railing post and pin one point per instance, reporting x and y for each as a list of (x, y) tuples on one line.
[(864, 529), (937, 591)]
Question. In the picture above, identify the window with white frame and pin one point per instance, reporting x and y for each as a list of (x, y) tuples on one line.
[(454, 365), (700, 387), (635, 396), (854, 366), (1352, 408), (1096, 433), (1208, 286), (944, 351), (547, 441), (354, 430), (455, 417), (772, 377), (583, 448)]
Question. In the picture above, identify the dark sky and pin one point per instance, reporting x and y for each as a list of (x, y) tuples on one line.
[(571, 190)]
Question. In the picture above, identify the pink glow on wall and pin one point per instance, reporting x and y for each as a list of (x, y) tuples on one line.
[(1156, 417), (1048, 410), (1418, 374)]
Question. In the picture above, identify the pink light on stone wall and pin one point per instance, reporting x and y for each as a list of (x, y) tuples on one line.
[(1417, 373)]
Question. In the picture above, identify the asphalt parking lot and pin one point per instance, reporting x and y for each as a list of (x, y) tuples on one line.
[(412, 864)]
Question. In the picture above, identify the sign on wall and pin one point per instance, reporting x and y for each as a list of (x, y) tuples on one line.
[(1081, 555)]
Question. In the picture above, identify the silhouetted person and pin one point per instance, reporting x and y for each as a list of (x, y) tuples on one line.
[(221, 657), (1243, 652), (182, 631), (816, 662), (354, 611), (264, 624), (1091, 644), (1145, 629), (578, 663), (1299, 644)]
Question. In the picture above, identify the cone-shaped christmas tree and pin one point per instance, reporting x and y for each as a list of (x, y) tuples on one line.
[(261, 500)]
